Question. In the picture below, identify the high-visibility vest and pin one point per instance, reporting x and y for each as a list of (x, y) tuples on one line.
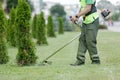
[(90, 16)]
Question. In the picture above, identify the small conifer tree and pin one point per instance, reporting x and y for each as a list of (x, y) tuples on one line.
[(12, 28), (61, 27), (41, 33), (26, 49), (3, 49), (50, 27), (34, 26)]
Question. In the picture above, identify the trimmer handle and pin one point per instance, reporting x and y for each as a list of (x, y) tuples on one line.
[(74, 21)]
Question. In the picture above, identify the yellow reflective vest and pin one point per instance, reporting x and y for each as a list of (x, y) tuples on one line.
[(92, 16)]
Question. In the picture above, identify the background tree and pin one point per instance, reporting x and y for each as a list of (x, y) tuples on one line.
[(34, 26), (105, 4), (61, 26), (50, 27), (41, 33), (26, 49), (115, 16), (12, 28), (14, 3), (57, 10), (3, 49), (118, 6)]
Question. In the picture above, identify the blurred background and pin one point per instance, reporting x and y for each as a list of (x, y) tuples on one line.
[(64, 9)]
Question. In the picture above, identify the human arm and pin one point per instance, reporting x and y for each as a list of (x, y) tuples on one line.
[(85, 11), (81, 12)]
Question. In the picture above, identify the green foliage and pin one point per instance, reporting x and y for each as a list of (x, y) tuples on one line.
[(61, 26), (57, 10), (3, 49), (31, 4), (50, 27), (14, 3), (11, 3), (102, 26), (11, 30), (1, 0), (26, 49), (34, 26), (69, 26), (41, 33), (7, 29), (118, 6), (116, 16)]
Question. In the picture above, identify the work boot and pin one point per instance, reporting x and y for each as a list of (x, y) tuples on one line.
[(77, 63), (95, 62)]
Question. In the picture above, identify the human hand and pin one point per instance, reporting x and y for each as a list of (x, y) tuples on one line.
[(73, 19)]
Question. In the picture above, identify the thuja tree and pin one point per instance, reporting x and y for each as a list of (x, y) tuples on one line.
[(12, 28), (14, 3), (7, 29), (34, 26), (50, 27), (26, 49), (41, 33), (61, 26), (3, 49)]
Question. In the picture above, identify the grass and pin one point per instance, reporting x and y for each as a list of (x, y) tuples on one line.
[(108, 47)]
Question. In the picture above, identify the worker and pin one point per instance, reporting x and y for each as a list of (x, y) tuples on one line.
[(89, 31)]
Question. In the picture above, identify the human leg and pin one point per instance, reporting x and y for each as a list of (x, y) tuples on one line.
[(91, 35)]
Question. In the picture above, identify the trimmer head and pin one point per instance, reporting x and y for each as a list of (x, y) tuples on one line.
[(43, 63)]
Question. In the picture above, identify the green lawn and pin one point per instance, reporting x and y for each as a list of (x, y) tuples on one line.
[(108, 47)]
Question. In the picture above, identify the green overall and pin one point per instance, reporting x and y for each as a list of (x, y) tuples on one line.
[(89, 30)]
